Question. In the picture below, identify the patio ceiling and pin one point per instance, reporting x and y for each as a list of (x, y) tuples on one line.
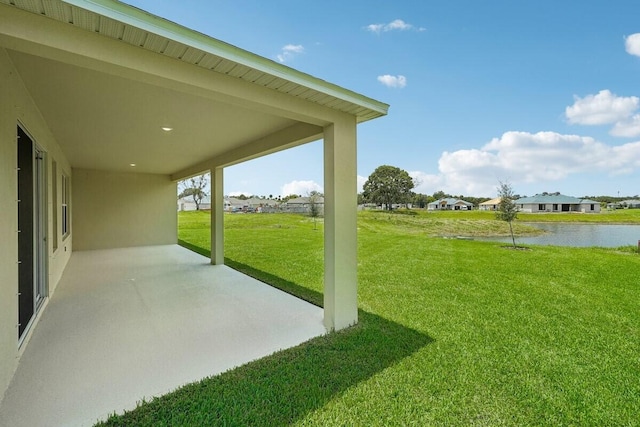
[(107, 122), (107, 77)]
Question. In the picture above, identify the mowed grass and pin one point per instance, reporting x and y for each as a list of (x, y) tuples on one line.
[(451, 332)]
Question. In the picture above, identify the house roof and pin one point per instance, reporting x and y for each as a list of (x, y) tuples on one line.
[(304, 201), (107, 76), (451, 201), (139, 28), (235, 202), (188, 199), (491, 202), (257, 201), (552, 199)]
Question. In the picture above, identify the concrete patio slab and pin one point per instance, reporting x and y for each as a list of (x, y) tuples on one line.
[(128, 324)]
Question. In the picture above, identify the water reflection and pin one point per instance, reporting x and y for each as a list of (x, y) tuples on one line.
[(579, 235)]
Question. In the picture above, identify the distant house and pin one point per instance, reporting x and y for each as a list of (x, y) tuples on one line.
[(257, 202), (556, 203), (233, 204), (450, 204), (187, 203), (303, 205), (252, 204), (625, 204), (490, 205)]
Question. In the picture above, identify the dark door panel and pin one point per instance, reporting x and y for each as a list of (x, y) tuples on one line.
[(26, 229)]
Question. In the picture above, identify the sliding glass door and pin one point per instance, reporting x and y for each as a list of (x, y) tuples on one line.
[(32, 221)]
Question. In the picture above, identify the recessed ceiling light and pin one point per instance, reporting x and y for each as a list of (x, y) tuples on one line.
[(167, 128), (133, 165)]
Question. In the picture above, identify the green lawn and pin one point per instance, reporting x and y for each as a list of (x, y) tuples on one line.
[(451, 332)]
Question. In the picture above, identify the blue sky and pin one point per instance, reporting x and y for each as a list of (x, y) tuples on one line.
[(542, 94)]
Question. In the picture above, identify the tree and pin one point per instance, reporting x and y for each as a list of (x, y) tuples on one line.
[(421, 200), (440, 195), (195, 187), (507, 210), (388, 185), (475, 200), (314, 208)]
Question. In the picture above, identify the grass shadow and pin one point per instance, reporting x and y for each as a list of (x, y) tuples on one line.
[(284, 387), (284, 285), (194, 248), (309, 295)]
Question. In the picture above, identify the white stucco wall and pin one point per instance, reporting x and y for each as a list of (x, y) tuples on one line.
[(583, 208), (16, 106), (586, 208), (117, 210)]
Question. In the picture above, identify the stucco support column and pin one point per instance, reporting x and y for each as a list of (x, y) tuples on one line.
[(217, 216), (340, 225)]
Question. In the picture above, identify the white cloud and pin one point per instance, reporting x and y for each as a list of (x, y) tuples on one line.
[(522, 157), (240, 193), (361, 181), (289, 51), (632, 44), (626, 159), (395, 25), (600, 109), (300, 187), (398, 81), (627, 128), (426, 183), (607, 108)]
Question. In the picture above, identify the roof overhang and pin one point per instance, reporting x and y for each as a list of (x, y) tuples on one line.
[(107, 77)]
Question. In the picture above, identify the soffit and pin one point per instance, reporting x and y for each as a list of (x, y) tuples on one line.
[(138, 28), (103, 121)]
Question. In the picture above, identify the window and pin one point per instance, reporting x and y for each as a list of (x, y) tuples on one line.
[(593, 207), (54, 200), (542, 207), (555, 207), (65, 206)]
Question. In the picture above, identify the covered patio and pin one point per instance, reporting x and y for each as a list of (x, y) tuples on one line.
[(128, 324), (104, 108)]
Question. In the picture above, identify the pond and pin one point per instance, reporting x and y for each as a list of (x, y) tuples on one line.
[(579, 235)]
